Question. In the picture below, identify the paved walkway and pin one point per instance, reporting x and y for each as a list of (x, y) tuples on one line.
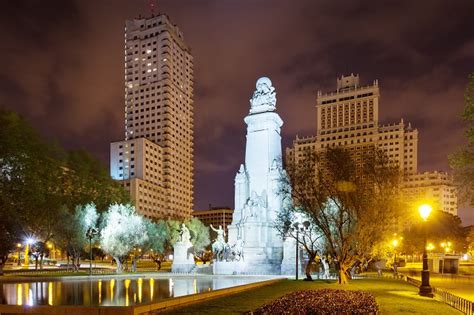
[(459, 285)]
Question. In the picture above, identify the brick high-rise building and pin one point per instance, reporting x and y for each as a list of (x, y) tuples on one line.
[(155, 160)]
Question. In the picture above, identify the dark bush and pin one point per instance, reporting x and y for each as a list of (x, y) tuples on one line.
[(325, 301)]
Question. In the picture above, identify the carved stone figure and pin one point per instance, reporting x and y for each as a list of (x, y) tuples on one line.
[(264, 97), (219, 246), (220, 234), (185, 235)]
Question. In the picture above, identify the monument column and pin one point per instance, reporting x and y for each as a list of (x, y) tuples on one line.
[(257, 200)]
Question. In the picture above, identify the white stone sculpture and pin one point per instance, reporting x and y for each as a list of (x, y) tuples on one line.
[(264, 97), (219, 246), (257, 199), (185, 235), (183, 259)]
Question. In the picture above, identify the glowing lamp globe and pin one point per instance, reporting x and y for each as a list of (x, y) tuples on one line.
[(395, 243), (425, 211)]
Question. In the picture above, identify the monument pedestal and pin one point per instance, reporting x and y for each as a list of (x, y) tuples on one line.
[(288, 265), (183, 260)]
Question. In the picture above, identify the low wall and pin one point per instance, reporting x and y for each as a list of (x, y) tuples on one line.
[(131, 310)]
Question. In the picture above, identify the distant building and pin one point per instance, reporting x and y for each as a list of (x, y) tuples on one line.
[(155, 160), (436, 187), (349, 117), (215, 216)]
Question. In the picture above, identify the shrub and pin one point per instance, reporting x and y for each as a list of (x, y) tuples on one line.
[(325, 301)]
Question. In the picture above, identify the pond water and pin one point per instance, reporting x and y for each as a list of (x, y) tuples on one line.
[(114, 292)]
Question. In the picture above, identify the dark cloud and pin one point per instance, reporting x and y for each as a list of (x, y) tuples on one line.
[(61, 66)]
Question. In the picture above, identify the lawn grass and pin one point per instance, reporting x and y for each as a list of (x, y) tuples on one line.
[(393, 297)]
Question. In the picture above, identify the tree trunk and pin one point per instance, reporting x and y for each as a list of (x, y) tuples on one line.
[(119, 265), (3, 261), (308, 268), (36, 262), (78, 263), (41, 261), (342, 274)]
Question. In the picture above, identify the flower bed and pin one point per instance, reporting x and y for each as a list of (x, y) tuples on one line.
[(324, 301)]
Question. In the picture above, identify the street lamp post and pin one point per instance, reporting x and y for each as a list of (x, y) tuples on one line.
[(425, 288), (296, 260), (395, 244), (18, 246), (91, 232)]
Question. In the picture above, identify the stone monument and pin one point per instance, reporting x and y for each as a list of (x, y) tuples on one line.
[(257, 198), (183, 259)]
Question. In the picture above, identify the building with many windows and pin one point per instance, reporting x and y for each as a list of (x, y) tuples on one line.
[(349, 117), (216, 216), (155, 159), (436, 188)]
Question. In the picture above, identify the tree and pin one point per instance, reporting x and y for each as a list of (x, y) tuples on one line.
[(123, 229), (292, 222), (353, 202), (200, 235), (462, 161), (86, 180), (30, 177), (440, 227), (9, 236), (157, 236), (71, 229), (469, 230)]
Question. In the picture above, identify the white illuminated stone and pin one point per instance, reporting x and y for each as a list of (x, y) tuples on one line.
[(257, 198)]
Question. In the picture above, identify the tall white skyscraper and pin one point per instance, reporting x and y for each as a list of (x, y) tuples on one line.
[(155, 160)]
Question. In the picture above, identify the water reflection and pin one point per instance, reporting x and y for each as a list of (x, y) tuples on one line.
[(109, 292)]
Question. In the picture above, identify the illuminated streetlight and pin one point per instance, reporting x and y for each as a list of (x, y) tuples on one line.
[(447, 246), (425, 211), (430, 247), (29, 241), (425, 288)]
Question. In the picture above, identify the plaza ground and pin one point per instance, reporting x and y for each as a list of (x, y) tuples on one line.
[(461, 284), (393, 297)]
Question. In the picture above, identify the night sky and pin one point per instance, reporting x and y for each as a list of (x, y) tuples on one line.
[(61, 66)]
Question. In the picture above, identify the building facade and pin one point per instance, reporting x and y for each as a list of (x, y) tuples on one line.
[(216, 216), (155, 159), (349, 117), (437, 188)]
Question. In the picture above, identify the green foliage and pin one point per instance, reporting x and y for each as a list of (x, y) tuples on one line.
[(40, 182), (462, 161), (87, 180), (123, 230), (440, 227), (354, 202), (30, 173), (157, 236), (200, 235)]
